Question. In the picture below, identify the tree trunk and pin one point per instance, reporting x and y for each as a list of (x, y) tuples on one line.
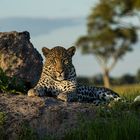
[(106, 78)]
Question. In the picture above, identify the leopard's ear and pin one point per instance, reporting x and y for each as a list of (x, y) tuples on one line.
[(71, 51), (45, 51)]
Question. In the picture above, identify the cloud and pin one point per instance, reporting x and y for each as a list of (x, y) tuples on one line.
[(37, 26)]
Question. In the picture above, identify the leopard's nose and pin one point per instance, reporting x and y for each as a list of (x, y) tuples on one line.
[(60, 71)]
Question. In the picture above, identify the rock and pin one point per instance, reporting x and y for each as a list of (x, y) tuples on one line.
[(46, 115), (19, 58)]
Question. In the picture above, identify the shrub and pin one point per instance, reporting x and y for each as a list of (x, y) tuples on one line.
[(11, 84)]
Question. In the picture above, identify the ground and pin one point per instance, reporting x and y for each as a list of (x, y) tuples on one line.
[(23, 117)]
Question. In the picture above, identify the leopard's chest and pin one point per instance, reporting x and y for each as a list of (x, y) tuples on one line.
[(58, 86)]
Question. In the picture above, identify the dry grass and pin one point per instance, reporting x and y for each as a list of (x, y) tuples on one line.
[(128, 91)]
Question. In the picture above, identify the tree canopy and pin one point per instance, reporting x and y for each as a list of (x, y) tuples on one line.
[(109, 37)]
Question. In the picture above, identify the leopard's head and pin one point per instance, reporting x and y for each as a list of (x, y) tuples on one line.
[(58, 62)]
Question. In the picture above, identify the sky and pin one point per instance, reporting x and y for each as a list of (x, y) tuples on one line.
[(59, 23)]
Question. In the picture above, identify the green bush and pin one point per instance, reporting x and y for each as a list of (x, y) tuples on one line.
[(11, 84)]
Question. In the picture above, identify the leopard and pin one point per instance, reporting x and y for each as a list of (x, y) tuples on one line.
[(59, 80)]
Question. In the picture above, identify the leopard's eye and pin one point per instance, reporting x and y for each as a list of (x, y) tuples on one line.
[(66, 61)]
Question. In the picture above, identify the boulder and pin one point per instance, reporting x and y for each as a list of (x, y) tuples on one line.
[(19, 58), (45, 116)]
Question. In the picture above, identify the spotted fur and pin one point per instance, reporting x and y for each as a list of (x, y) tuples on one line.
[(58, 79)]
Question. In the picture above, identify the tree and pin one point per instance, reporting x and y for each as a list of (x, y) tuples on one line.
[(138, 76), (108, 37)]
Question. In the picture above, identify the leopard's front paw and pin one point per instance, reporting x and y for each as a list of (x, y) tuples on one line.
[(32, 93), (67, 97), (62, 97)]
